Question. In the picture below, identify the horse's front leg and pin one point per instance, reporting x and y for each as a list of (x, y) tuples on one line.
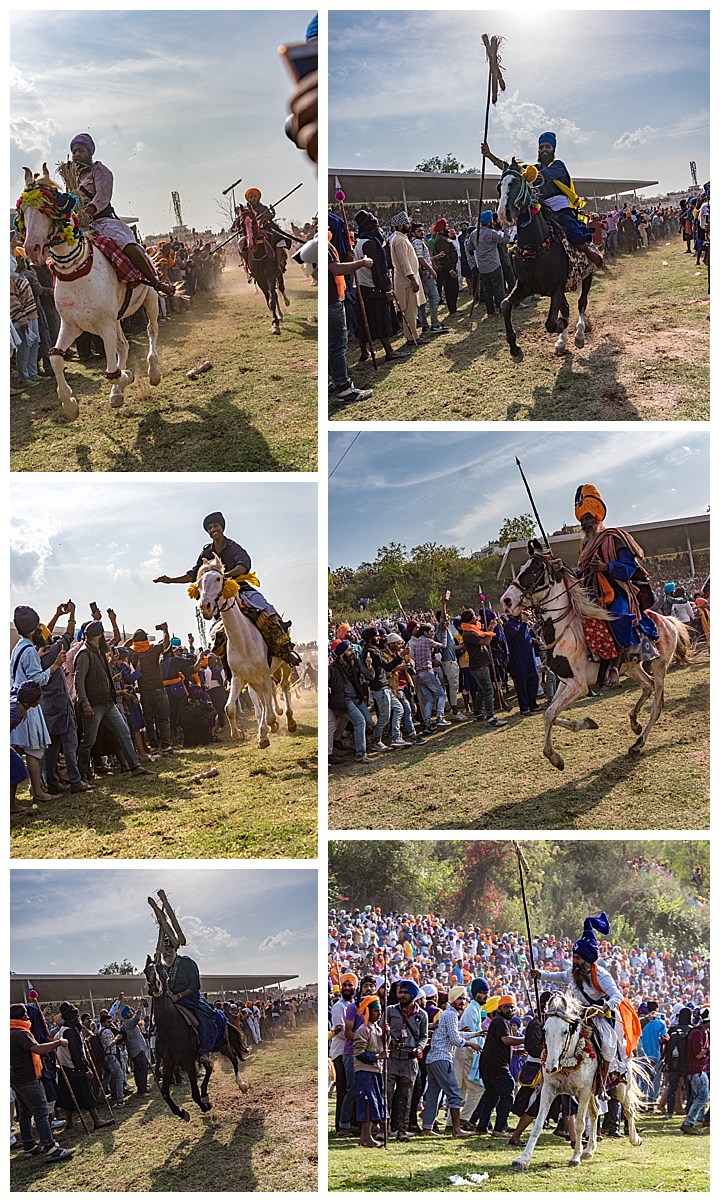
[(267, 711), (195, 1092), (67, 335), (287, 694), (236, 687), (167, 1075), (516, 294), (152, 310), (582, 324), (558, 319), (208, 1066), (573, 690), (114, 372), (546, 1099), (273, 302), (630, 1114), (593, 1112), (576, 1157), (228, 1052)]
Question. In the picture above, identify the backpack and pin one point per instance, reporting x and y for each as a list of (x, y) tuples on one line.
[(676, 1050)]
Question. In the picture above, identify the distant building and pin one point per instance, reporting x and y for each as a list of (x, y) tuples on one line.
[(491, 548)]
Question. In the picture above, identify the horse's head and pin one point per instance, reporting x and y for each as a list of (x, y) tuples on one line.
[(515, 193), (152, 976), (211, 587), (533, 582), (45, 215), (563, 1023)]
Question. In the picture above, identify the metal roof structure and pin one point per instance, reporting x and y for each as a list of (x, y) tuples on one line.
[(677, 536), (95, 989), (408, 187)]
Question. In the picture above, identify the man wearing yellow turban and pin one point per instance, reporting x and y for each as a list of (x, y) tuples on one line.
[(611, 570)]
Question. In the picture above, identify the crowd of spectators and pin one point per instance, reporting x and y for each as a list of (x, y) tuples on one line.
[(445, 994), (391, 270)]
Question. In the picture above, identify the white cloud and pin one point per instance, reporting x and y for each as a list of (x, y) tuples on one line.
[(19, 81), (139, 571), (139, 147), (204, 941), (280, 940), (526, 121), (33, 134), (638, 138), (31, 549)]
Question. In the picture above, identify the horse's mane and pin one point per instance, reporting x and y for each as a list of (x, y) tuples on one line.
[(214, 564), (580, 600), (565, 1004)]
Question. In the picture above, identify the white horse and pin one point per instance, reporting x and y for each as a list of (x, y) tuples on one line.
[(247, 652), (553, 590), (88, 294), (569, 1068)]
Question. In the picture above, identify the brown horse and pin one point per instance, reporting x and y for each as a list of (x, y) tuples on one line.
[(556, 595), (178, 1047)]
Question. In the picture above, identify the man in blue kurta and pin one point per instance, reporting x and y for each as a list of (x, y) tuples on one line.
[(181, 977), (553, 186), (610, 568)]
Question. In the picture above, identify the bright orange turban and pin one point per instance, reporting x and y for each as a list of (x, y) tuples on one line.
[(588, 500)]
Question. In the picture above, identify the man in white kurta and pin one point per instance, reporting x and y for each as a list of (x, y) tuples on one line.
[(406, 275)]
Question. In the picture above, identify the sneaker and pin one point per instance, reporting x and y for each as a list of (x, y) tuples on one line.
[(458, 718), (169, 751), (419, 741), (57, 1154), (57, 1124), (401, 743), (439, 330), (35, 1150), (359, 759), (354, 394), (496, 723), (380, 746), (442, 722), (427, 730)]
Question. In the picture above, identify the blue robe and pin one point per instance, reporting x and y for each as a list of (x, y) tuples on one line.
[(212, 1023)]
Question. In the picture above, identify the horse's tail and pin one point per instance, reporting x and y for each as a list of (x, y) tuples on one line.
[(237, 1042), (684, 649), (638, 1075)]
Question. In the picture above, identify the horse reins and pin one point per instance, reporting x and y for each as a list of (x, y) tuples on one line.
[(562, 611)]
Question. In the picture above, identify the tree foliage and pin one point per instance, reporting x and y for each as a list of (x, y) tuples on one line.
[(417, 577), (118, 969), (449, 165), (515, 530), (654, 893)]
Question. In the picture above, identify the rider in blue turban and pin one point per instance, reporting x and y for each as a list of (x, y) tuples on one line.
[(586, 946)]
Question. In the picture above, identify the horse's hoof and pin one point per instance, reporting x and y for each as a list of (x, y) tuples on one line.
[(274, 727), (154, 376), (70, 408), (519, 1166), (636, 728), (185, 1116), (130, 375), (262, 743), (591, 725), (238, 736), (573, 1164), (560, 348), (579, 340), (205, 1106), (558, 762), (517, 355), (635, 749), (117, 400), (292, 725), (287, 301), (243, 1086), (586, 1155)]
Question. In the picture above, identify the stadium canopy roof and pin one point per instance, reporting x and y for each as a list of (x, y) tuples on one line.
[(98, 988), (411, 187), (674, 537)]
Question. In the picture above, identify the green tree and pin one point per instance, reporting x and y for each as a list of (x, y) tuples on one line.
[(515, 530), (449, 165), (117, 969)]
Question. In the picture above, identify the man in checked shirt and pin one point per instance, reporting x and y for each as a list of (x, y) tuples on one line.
[(424, 647)]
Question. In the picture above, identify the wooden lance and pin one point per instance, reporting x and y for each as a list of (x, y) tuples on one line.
[(522, 863)]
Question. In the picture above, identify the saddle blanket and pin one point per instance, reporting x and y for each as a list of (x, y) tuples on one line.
[(579, 266), (124, 269), (598, 638)]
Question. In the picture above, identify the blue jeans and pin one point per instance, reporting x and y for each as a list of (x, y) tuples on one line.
[(441, 1079), (699, 1098), (431, 689), (115, 722), (337, 346), (390, 710), (26, 355), (432, 296), (348, 1106), (484, 701), (113, 1073), (407, 714), (362, 724), (32, 1104)]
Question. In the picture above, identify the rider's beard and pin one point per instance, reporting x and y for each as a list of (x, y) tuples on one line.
[(581, 973)]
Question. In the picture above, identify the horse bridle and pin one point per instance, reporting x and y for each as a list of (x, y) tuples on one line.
[(562, 611), (526, 196), (573, 1025)]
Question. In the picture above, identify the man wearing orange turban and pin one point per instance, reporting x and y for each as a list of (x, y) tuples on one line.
[(611, 571)]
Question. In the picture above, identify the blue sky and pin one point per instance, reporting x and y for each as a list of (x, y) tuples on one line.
[(105, 539), (238, 920), (175, 101), (457, 488), (626, 92)]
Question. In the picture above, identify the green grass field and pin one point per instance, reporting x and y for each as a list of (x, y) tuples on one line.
[(256, 411), (264, 1140), (473, 778), (667, 1162), (263, 804), (647, 356)]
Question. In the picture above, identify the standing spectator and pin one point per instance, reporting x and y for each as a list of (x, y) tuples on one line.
[(369, 1053), (441, 1074), (348, 985), (483, 244), (523, 669), (408, 1025), (30, 1099), (406, 276), (698, 1067), (495, 1070), (338, 268)]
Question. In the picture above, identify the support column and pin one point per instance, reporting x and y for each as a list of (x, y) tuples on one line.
[(690, 557)]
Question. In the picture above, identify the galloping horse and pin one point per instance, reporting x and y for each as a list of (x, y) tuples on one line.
[(178, 1046), (265, 271), (557, 596), (247, 652), (570, 1066), (541, 263), (88, 295)]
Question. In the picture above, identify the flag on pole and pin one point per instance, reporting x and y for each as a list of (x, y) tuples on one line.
[(492, 50)]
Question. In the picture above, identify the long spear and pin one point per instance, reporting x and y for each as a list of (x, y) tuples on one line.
[(500, 701), (340, 198), (72, 1095), (495, 82), (385, 1049), (522, 863), (103, 1095), (532, 502)]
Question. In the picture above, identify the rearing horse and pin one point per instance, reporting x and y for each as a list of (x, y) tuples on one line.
[(569, 1068), (558, 598), (178, 1045), (541, 263), (88, 295)]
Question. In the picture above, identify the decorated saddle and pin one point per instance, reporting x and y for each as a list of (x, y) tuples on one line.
[(579, 266)]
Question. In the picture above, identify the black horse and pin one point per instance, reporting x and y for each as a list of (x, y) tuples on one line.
[(541, 263), (178, 1047), (267, 273)]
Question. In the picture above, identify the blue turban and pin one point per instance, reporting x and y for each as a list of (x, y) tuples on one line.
[(26, 620), (83, 140), (587, 946), (479, 985), (669, 588), (126, 1012), (486, 217), (549, 138), (412, 988), (343, 646)]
